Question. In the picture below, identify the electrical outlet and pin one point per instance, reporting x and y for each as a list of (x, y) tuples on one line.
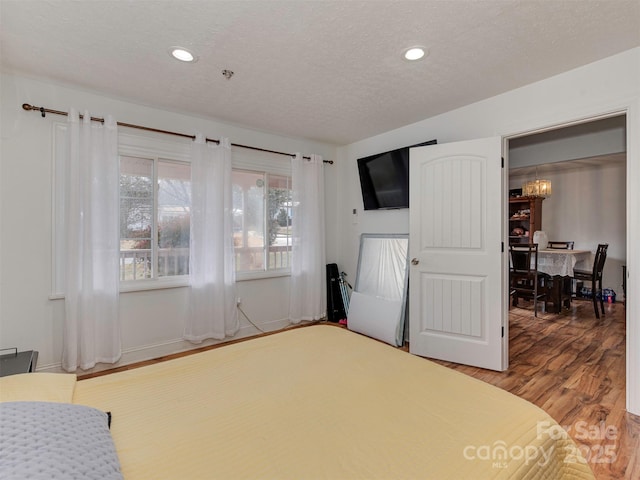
[(238, 301)]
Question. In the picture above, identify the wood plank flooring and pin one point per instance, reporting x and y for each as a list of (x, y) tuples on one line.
[(164, 358), (573, 366)]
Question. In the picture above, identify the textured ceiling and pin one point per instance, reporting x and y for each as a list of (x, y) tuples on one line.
[(325, 70)]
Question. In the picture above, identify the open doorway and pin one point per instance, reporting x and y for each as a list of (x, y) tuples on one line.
[(586, 165)]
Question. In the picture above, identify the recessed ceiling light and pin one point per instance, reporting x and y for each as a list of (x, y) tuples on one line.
[(414, 53), (182, 54)]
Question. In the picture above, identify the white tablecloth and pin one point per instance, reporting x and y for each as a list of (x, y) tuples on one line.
[(562, 262)]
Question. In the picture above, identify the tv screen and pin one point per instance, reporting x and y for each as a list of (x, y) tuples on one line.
[(384, 178)]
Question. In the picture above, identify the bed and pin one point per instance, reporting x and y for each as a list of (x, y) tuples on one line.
[(319, 402)]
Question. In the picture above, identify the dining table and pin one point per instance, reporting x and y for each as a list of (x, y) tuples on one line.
[(559, 264)]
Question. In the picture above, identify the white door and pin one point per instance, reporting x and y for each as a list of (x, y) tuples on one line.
[(455, 243)]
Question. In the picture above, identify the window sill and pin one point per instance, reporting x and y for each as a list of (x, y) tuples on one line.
[(261, 275), (182, 281), (158, 284)]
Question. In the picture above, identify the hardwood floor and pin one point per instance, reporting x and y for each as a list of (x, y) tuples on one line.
[(573, 366), (172, 356)]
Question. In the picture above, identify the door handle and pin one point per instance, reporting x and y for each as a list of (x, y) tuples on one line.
[(415, 261)]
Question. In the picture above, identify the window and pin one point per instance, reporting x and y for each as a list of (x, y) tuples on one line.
[(154, 222), (261, 221)]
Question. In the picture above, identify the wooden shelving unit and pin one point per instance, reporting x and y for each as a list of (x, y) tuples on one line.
[(525, 215)]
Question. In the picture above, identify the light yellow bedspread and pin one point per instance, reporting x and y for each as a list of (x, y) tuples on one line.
[(322, 403)]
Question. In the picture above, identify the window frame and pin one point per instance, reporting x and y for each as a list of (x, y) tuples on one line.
[(267, 164), (155, 148), (158, 281), (266, 272)]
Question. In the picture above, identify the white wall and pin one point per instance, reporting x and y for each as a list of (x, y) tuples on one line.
[(610, 85), (592, 139), (152, 321)]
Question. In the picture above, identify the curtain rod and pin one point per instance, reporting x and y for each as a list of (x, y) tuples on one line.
[(44, 111)]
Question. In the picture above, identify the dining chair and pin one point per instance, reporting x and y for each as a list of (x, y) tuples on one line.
[(525, 280), (560, 245), (563, 292), (595, 276)]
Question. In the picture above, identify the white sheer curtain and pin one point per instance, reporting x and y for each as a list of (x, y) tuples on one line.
[(91, 325), (213, 312), (308, 299)]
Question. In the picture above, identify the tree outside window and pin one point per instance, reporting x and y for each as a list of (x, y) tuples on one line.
[(147, 213)]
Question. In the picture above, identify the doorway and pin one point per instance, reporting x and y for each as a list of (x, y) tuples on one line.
[(586, 164)]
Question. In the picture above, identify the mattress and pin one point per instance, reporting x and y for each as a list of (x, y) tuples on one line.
[(323, 403)]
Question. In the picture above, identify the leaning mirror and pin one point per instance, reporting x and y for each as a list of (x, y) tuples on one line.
[(378, 303)]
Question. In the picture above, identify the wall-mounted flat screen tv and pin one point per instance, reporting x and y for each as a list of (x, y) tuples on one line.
[(384, 178)]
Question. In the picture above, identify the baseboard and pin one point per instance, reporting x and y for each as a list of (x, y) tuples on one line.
[(149, 352)]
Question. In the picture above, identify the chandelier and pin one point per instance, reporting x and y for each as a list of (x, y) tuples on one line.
[(536, 188)]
